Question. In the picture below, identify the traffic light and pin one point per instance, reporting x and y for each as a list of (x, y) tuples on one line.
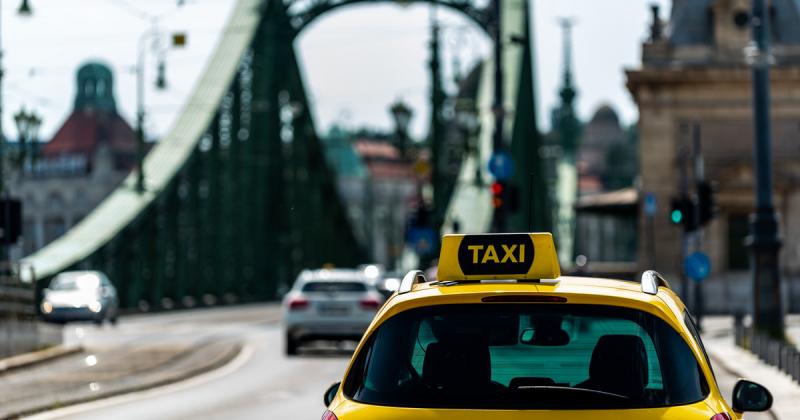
[(498, 199), (705, 202), (505, 196), (682, 212)]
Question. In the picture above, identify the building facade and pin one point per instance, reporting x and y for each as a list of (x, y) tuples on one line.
[(86, 159), (694, 87)]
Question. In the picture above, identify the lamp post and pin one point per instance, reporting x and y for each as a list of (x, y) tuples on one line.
[(152, 33), (763, 241), (401, 114), (24, 10), (498, 145), (28, 124)]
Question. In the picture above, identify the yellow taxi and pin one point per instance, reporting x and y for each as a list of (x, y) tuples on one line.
[(500, 334)]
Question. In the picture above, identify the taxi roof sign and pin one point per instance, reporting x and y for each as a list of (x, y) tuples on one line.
[(521, 256)]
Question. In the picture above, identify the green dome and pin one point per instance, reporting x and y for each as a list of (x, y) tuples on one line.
[(95, 88)]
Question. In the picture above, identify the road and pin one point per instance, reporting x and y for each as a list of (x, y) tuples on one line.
[(260, 383)]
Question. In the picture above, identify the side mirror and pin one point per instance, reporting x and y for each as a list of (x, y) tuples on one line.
[(750, 396), (330, 394)]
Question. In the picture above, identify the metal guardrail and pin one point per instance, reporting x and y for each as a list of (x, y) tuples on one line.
[(18, 325), (17, 298), (779, 353)]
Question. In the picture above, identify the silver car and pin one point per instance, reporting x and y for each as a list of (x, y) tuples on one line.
[(329, 304), (80, 296)]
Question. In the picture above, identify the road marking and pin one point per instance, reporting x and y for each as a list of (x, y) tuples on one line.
[(244, 355)]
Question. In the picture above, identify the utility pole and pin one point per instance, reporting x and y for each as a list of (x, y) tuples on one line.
[(498, 145), (684, 192), (764, 242), (437, 129), (697, 235)]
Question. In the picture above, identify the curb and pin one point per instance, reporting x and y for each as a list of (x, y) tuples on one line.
[(732, 371), (33, 358), (219, 363)]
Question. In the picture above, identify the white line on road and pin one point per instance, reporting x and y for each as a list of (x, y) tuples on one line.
[(244, 355)]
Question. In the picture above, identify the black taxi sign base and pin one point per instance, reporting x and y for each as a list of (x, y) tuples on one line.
[(498, 256)]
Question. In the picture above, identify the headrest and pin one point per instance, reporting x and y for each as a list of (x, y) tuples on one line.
[(619, 365), (460, 364)]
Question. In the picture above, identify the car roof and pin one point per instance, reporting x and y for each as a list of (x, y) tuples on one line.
[(582, 290), (332, 275)]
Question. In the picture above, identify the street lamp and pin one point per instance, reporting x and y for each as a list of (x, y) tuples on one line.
[(28, 124), (24, 9), (402, 115), (764, 242), (178, 40)]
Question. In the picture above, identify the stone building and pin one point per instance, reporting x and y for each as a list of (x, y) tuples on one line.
[(603, 136), (693, 76), (89, 155)]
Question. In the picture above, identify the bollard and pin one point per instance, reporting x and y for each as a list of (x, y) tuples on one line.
[(796, 371)]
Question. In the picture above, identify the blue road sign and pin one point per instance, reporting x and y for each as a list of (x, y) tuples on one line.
[(501, 165), (650, 204), (422, 240), (697, 266)]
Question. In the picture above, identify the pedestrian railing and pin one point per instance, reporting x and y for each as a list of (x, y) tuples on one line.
[(779, 353)]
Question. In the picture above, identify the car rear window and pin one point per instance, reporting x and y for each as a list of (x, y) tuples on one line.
[(335, 287), (534, 356)]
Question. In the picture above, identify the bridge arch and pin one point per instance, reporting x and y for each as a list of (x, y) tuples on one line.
[(301, 17)]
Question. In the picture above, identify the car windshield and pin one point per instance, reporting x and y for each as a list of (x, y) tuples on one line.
[(334, 287), (534, 356), (83, 281)]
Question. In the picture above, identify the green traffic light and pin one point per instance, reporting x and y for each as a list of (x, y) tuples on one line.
[(676, 216)]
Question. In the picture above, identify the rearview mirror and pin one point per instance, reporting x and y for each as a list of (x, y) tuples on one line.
[(750, 396), (330, 394), (544, 337)]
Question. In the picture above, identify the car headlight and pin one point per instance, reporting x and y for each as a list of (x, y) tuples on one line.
[(95, 306), (47, 307)]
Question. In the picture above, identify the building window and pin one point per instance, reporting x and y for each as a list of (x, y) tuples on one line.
[(738, 254), (53, 228)]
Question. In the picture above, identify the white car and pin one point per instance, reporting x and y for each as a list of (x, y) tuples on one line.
[(80, 296), (329, 304)]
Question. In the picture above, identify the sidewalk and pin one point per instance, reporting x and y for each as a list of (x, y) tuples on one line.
[(718, 340)]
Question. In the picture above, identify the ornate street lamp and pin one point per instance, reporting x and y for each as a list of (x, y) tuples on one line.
[(28, 124), (24, 9), (401, 114)]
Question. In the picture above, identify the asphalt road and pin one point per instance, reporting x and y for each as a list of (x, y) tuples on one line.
[(261, 383)]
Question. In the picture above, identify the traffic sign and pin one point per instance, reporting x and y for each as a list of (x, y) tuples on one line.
[(501, 165), (697, 266), (650, 204), (423, 240)]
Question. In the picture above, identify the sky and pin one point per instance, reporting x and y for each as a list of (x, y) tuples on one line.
[(356, 60)]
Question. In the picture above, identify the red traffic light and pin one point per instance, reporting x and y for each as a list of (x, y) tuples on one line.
[(497, 188)]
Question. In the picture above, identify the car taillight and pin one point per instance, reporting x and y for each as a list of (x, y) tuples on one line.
[(297, 304), (721, 416), (328, 415), (370, 303)]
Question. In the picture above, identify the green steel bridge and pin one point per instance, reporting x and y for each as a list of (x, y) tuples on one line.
[(238, 197)]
